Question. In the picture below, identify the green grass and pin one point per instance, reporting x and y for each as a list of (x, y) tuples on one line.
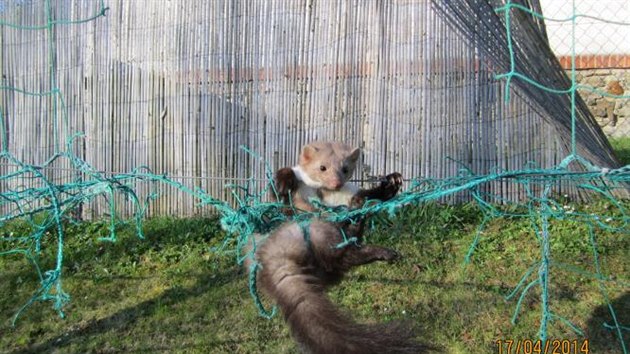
[(622, 149), (171, 293)]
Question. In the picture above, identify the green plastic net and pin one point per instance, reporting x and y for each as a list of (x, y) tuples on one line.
[(48, 204)]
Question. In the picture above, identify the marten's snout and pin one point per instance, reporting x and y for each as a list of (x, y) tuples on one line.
[(335, 185)]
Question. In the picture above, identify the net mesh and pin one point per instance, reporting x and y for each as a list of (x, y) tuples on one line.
[(46, 204)]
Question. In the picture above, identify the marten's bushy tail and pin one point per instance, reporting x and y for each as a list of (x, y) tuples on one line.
[(320, 327), (295, 274)]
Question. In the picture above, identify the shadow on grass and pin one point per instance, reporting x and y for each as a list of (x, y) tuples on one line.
[(127, 318), (602, 339)]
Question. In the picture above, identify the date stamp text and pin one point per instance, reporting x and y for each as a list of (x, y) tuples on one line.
[(552, 346)]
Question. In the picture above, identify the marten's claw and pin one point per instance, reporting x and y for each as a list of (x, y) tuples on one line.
[(394, 179), (391, 256), (391, 185)]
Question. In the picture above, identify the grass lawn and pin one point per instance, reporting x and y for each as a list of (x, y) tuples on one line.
[(622, 149), (172, 293)]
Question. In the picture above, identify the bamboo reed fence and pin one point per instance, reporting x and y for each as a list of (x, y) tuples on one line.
[(180, 86)]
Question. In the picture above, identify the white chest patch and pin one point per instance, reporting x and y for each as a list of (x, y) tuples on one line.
[(340, 197), (309, 187)]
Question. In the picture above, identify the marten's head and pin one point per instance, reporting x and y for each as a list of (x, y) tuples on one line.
[(328, 165)]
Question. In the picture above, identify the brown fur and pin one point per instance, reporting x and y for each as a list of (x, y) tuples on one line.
[(323, 171), (298, 264)]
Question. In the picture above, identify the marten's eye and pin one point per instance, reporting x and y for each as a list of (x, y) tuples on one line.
[(322, 168), (344, 170)]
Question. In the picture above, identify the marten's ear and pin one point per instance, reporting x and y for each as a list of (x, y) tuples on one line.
[(354, 155), (308, 152)]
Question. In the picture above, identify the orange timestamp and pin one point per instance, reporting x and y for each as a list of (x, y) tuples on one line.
[(553, 346)]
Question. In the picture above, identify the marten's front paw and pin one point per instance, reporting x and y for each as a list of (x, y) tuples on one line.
[(392, 184), (285, 181)]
